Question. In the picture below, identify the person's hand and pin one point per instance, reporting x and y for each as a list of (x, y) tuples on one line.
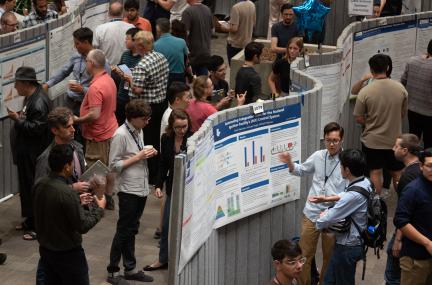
[(100, 201), (146, 153), (317, 199), (366, 76), (397, 245), (76, 87), (12, 115), (45, 87), (86, 198), (323, 213), (285, 157), (81, 186), (158, 193), (241, 98), (428, 247)]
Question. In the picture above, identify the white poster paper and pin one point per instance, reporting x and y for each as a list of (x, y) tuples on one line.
[(96, 13), (25, 53), (61, 47), (346, 69), (329, 75), (360, 7), (397, 40), (424, 35)]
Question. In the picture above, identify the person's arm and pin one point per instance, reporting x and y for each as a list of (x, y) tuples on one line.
[(275, 48), (323, 199), (35, 122), (61, 74), (233, 22), (360, 84), (404, 78), (348, 204), (79, 219), (413, 234), (91, 116), (397, 245), (166, 4), (383, 2), (360, 110), (307, 167)]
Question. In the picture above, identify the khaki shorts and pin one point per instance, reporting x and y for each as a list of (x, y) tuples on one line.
[(97, 151)]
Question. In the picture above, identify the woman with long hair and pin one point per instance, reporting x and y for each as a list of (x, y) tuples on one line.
[(173, 142)]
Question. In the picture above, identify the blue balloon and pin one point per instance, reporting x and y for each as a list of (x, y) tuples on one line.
[(311, 15)]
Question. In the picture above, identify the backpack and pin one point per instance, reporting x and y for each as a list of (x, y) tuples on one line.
[(375, 233)]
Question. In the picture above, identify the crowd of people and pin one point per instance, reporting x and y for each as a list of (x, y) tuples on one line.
[(139, 87)]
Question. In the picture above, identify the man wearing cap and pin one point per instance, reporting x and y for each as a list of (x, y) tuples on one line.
[(30, 136)]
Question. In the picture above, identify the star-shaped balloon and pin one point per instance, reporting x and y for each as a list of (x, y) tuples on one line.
[(311, 15)]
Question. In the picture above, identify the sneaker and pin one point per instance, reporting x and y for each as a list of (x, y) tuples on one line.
[(3, 258), (157, 234), (116, 280), (110, 204), (139, 276)]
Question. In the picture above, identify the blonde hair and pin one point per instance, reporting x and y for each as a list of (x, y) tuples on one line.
[(144, 38), (199, 85), (298, 41)]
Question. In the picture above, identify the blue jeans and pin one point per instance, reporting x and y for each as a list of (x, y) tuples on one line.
[(342, 267), (392, 273), (131, 208), (163, 251)]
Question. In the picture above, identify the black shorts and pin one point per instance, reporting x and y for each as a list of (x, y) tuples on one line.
[(381, 159)]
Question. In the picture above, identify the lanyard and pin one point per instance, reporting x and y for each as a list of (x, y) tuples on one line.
[(135, 139), (325, 169)]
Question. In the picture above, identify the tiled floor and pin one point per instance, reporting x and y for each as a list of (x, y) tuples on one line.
[(20, 268)]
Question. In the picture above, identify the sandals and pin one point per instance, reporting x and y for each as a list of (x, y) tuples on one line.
[(30, 235)]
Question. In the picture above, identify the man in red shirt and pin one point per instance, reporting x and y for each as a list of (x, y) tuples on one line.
[(97, 114)]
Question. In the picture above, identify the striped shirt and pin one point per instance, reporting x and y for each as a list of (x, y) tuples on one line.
[(130, 61), (151, 74), (417, 78)]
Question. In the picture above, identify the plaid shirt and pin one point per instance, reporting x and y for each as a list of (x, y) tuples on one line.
[(151, 74), (34, 19)]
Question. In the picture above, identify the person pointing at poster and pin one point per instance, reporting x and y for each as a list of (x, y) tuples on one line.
[(327, 181)]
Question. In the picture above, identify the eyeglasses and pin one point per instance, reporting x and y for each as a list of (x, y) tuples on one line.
[(332, 142), (293, 262)]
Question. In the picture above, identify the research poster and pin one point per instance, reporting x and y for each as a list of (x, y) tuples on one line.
[(346, 69), (360, 7), (396, 40), (96, 13), (61, 48), (199, 200), (29, 53), (424, 35), (249, 176), (329, 75)]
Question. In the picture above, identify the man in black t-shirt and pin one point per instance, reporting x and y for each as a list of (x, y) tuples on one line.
[(282, 32), (247, 79), (391, 8), (406, 149)]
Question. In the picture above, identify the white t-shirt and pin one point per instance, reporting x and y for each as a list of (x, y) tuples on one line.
[(164, 121), (177, 9)]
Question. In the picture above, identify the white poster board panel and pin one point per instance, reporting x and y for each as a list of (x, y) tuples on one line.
[(96, 13), (346, 69), (26, 53), (249, 176), (360, 7), (424, 35), (198, 208), (397, 40), (61, 47), (329, 75)]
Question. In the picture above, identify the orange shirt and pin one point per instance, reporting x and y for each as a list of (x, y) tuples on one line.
[(141, 23), (101, 93)]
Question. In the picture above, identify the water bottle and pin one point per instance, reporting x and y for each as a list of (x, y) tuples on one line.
[(371, 229)]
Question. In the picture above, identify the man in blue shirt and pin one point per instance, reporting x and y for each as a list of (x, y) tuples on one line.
[(327, 181), (173, 48), (413, 219), (348, 249)]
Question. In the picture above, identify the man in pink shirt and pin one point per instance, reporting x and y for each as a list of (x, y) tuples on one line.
[(97, 113)]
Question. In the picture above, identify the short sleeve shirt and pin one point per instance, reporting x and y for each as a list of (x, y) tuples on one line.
[(243, 16), (140, 23), (284, 33), (101, 93), (198, 112), (382, 102)]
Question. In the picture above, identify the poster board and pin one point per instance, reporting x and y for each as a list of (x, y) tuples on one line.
[(346, 70), (424, 35), (96, 13), (329, 75), (396, 40), (31, 53), (61, 48)]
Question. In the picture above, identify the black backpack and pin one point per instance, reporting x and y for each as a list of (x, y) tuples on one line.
[(375, 233)]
